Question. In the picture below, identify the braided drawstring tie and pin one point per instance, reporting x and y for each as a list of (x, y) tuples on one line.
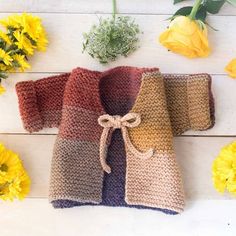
[(130, 120)]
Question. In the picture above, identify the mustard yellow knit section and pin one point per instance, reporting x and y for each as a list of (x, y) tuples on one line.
[(155, 128)]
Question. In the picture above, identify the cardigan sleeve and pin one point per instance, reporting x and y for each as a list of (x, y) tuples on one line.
[(40, 102), (190, 102)]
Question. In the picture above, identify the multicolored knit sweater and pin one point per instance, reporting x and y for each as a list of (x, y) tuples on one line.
[(115, 140)]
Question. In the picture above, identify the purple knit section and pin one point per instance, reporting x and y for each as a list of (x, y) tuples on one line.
[(114, 183)]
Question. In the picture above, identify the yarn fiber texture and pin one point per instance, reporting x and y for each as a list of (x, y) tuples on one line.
[(167, 104)]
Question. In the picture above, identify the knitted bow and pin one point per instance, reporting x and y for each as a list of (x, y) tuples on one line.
[(130, 120)]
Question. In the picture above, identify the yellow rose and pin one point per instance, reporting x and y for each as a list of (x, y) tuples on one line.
[(187, 37), (231, 68)]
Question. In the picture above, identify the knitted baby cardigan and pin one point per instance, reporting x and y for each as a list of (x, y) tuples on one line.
[(115, 140)]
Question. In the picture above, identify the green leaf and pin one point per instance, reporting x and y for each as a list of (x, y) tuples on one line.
[(3, 75), (214, 6), (233, 2), (177, 1), (185, 11), (201, 13)]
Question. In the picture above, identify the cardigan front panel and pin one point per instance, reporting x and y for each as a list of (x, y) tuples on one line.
[(155, 182), (76, 152)]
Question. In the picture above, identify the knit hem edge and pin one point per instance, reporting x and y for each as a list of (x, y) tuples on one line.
[(178, 210), (58, 198)]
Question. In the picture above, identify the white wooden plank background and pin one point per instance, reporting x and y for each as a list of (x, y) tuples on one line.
[(65, 35), (104, 6), (36, 217), (207, 212)]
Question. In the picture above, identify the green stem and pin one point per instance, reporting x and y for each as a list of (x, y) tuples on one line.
[(195, 9), (114, 8)]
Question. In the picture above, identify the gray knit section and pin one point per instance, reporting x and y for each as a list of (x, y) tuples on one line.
[(76, 171)]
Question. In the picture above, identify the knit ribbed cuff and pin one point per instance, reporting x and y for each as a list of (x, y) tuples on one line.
[(28, 106), (200, 102)]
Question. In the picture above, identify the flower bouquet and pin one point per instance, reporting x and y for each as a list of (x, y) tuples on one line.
[(22, 36)]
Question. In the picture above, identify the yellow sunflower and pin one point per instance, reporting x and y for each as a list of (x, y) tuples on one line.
[(5, 38), (20, 186), (12, 21), (3, 67), (23, 42), (42, 41), (31, 25), (5, 57), (10, 164), (5, 193), (20, 59), (27, 24), (14, 181)]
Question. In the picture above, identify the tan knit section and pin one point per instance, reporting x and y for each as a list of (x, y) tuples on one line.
[(156, 181), (188, 102), (177, 102), (198, 103)]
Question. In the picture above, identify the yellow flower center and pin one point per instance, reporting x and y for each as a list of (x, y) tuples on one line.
[(2, 187), (4, 168)]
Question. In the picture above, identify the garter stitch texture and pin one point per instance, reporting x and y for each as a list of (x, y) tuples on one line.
[(115, 140)]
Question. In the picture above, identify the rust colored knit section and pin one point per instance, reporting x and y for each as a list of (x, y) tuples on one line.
[(40, 102)]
